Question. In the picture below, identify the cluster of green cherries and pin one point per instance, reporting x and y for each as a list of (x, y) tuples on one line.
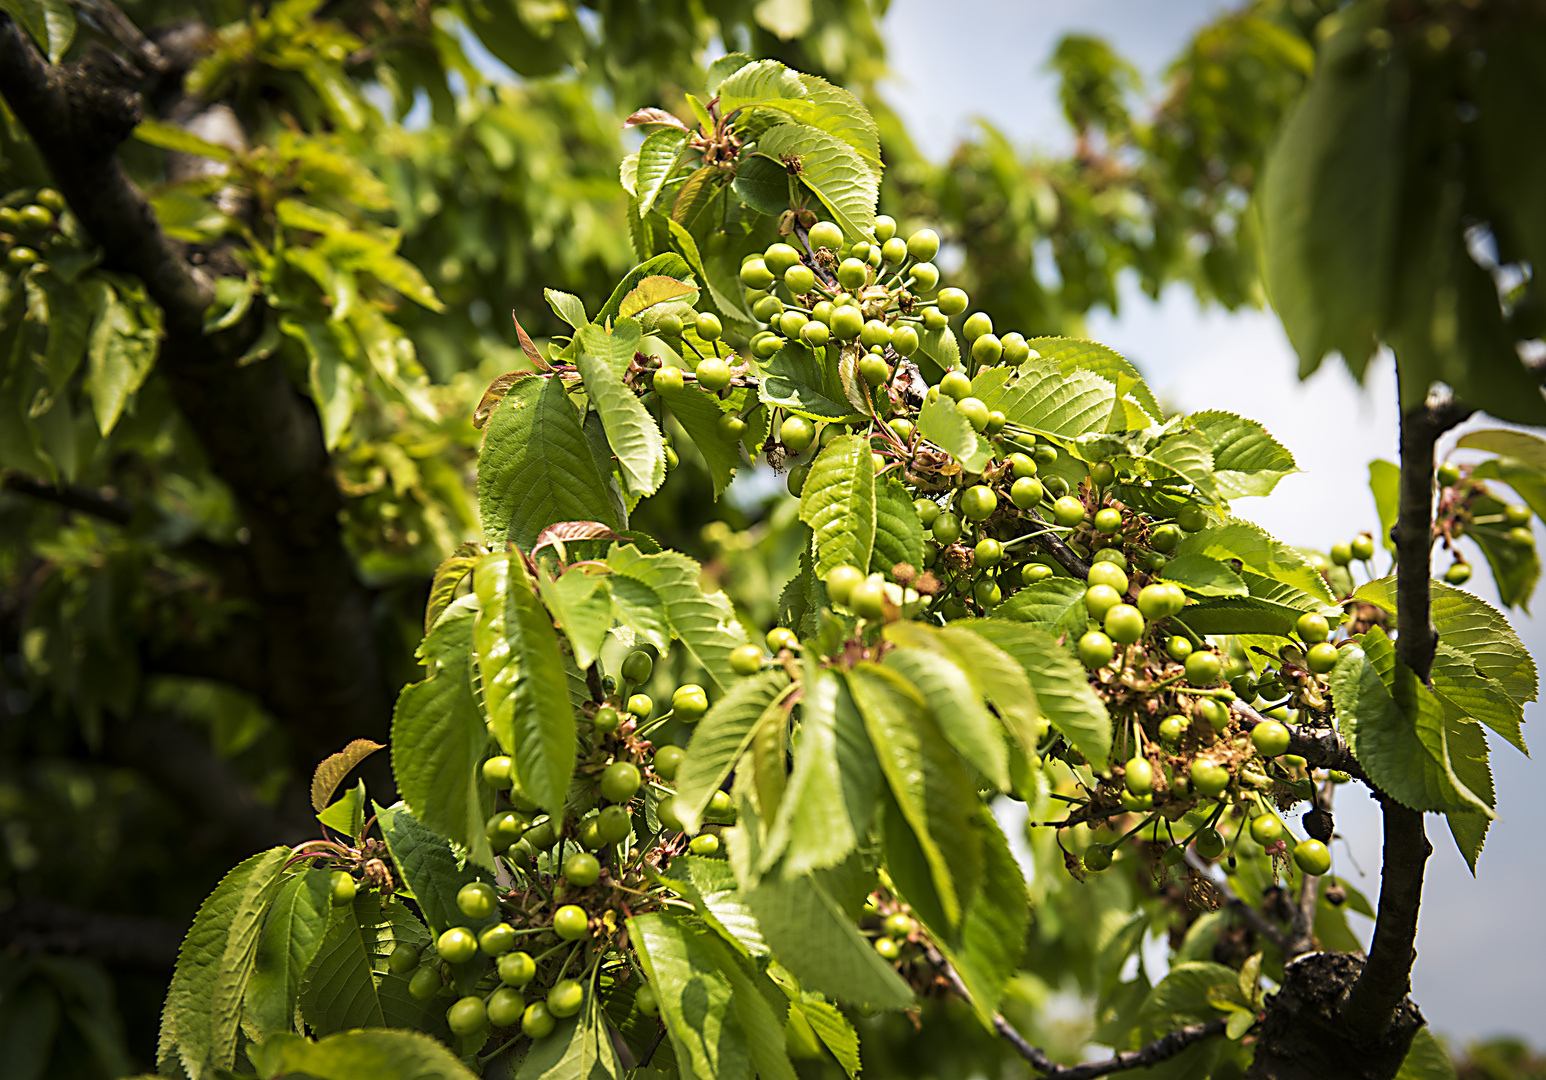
[(1514, 520), (30, 229), (1248, 765), (862, 292), (566, 860)]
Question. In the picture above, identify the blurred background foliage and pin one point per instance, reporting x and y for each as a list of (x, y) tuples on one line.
[(381, 183)]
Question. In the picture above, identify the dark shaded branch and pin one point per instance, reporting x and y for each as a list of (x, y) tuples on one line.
[(1155, 1052), (1386, 979), (1161, 1049), (35, 926), (1052, 545), (1255, 919), (180, 762), (72, 497), (1321, 748), (322, 672)]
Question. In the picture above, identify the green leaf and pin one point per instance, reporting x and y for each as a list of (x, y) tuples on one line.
[(799, 380), (1187, 455), (1040, 396), (699, 414), (579, 1048), (360, 1055), (931, 787), (762, 183), (1466, 693), (658, 156), (1426, 1059), (832, 1028), (710, 886), (1182, 996), (704, 622), (449, 576), (1385, 486), (199, 1022), (332, 770), (536, 468), (1472, 627), (721, 737), (631, 431), (992, 941), (829, 804), (1055, 605), (1329, 198), (1273, 572), (653, 290), (291, 937), (838, 503), (957, 704), (762, 1024), (898, 529), (820, 944), (582, 607), (50, 22), (1062, 690), (694, 996), (1398, 731), (439, 738), (757, 83), (844, 182), (524, 686), (996, 675), (427, 865), (120, 353), (1246, 460), (667, 264), (944, 425), (567, 307), (1078, 354), (347, 813), (155, 132), (1525, 448), (1202, 576)]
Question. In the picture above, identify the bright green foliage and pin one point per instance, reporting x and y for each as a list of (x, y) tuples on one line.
[(847, 783)]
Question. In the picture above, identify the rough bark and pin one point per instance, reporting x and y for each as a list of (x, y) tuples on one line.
[(1340, 1015), (321, 672)]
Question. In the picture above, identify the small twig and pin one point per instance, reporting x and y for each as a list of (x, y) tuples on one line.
[(655, 1045), (1060, 552), (1152, 1054), (1257, 921)]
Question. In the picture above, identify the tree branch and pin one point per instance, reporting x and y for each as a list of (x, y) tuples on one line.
[(72, 497), (1155, 1052), (1051, 544), (1386, 979), (323, 675), (35, 926)]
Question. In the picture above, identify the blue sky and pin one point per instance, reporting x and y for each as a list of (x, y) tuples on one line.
[(1481, 944)]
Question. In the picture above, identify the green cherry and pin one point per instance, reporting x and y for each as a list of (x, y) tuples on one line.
[(841, 581), (1313, 857), (1270, 738), (1124, 623), (1096, 650), (620, 781), (746, 660), (1312, 628), (1068, 511), (1203, 668), (1321, 658), (668, 759), (571, 923), (467, 1016), (517, 969), (689, 701)]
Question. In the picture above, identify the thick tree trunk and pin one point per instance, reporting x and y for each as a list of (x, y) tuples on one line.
[(1339, 1015), (321, 670)]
